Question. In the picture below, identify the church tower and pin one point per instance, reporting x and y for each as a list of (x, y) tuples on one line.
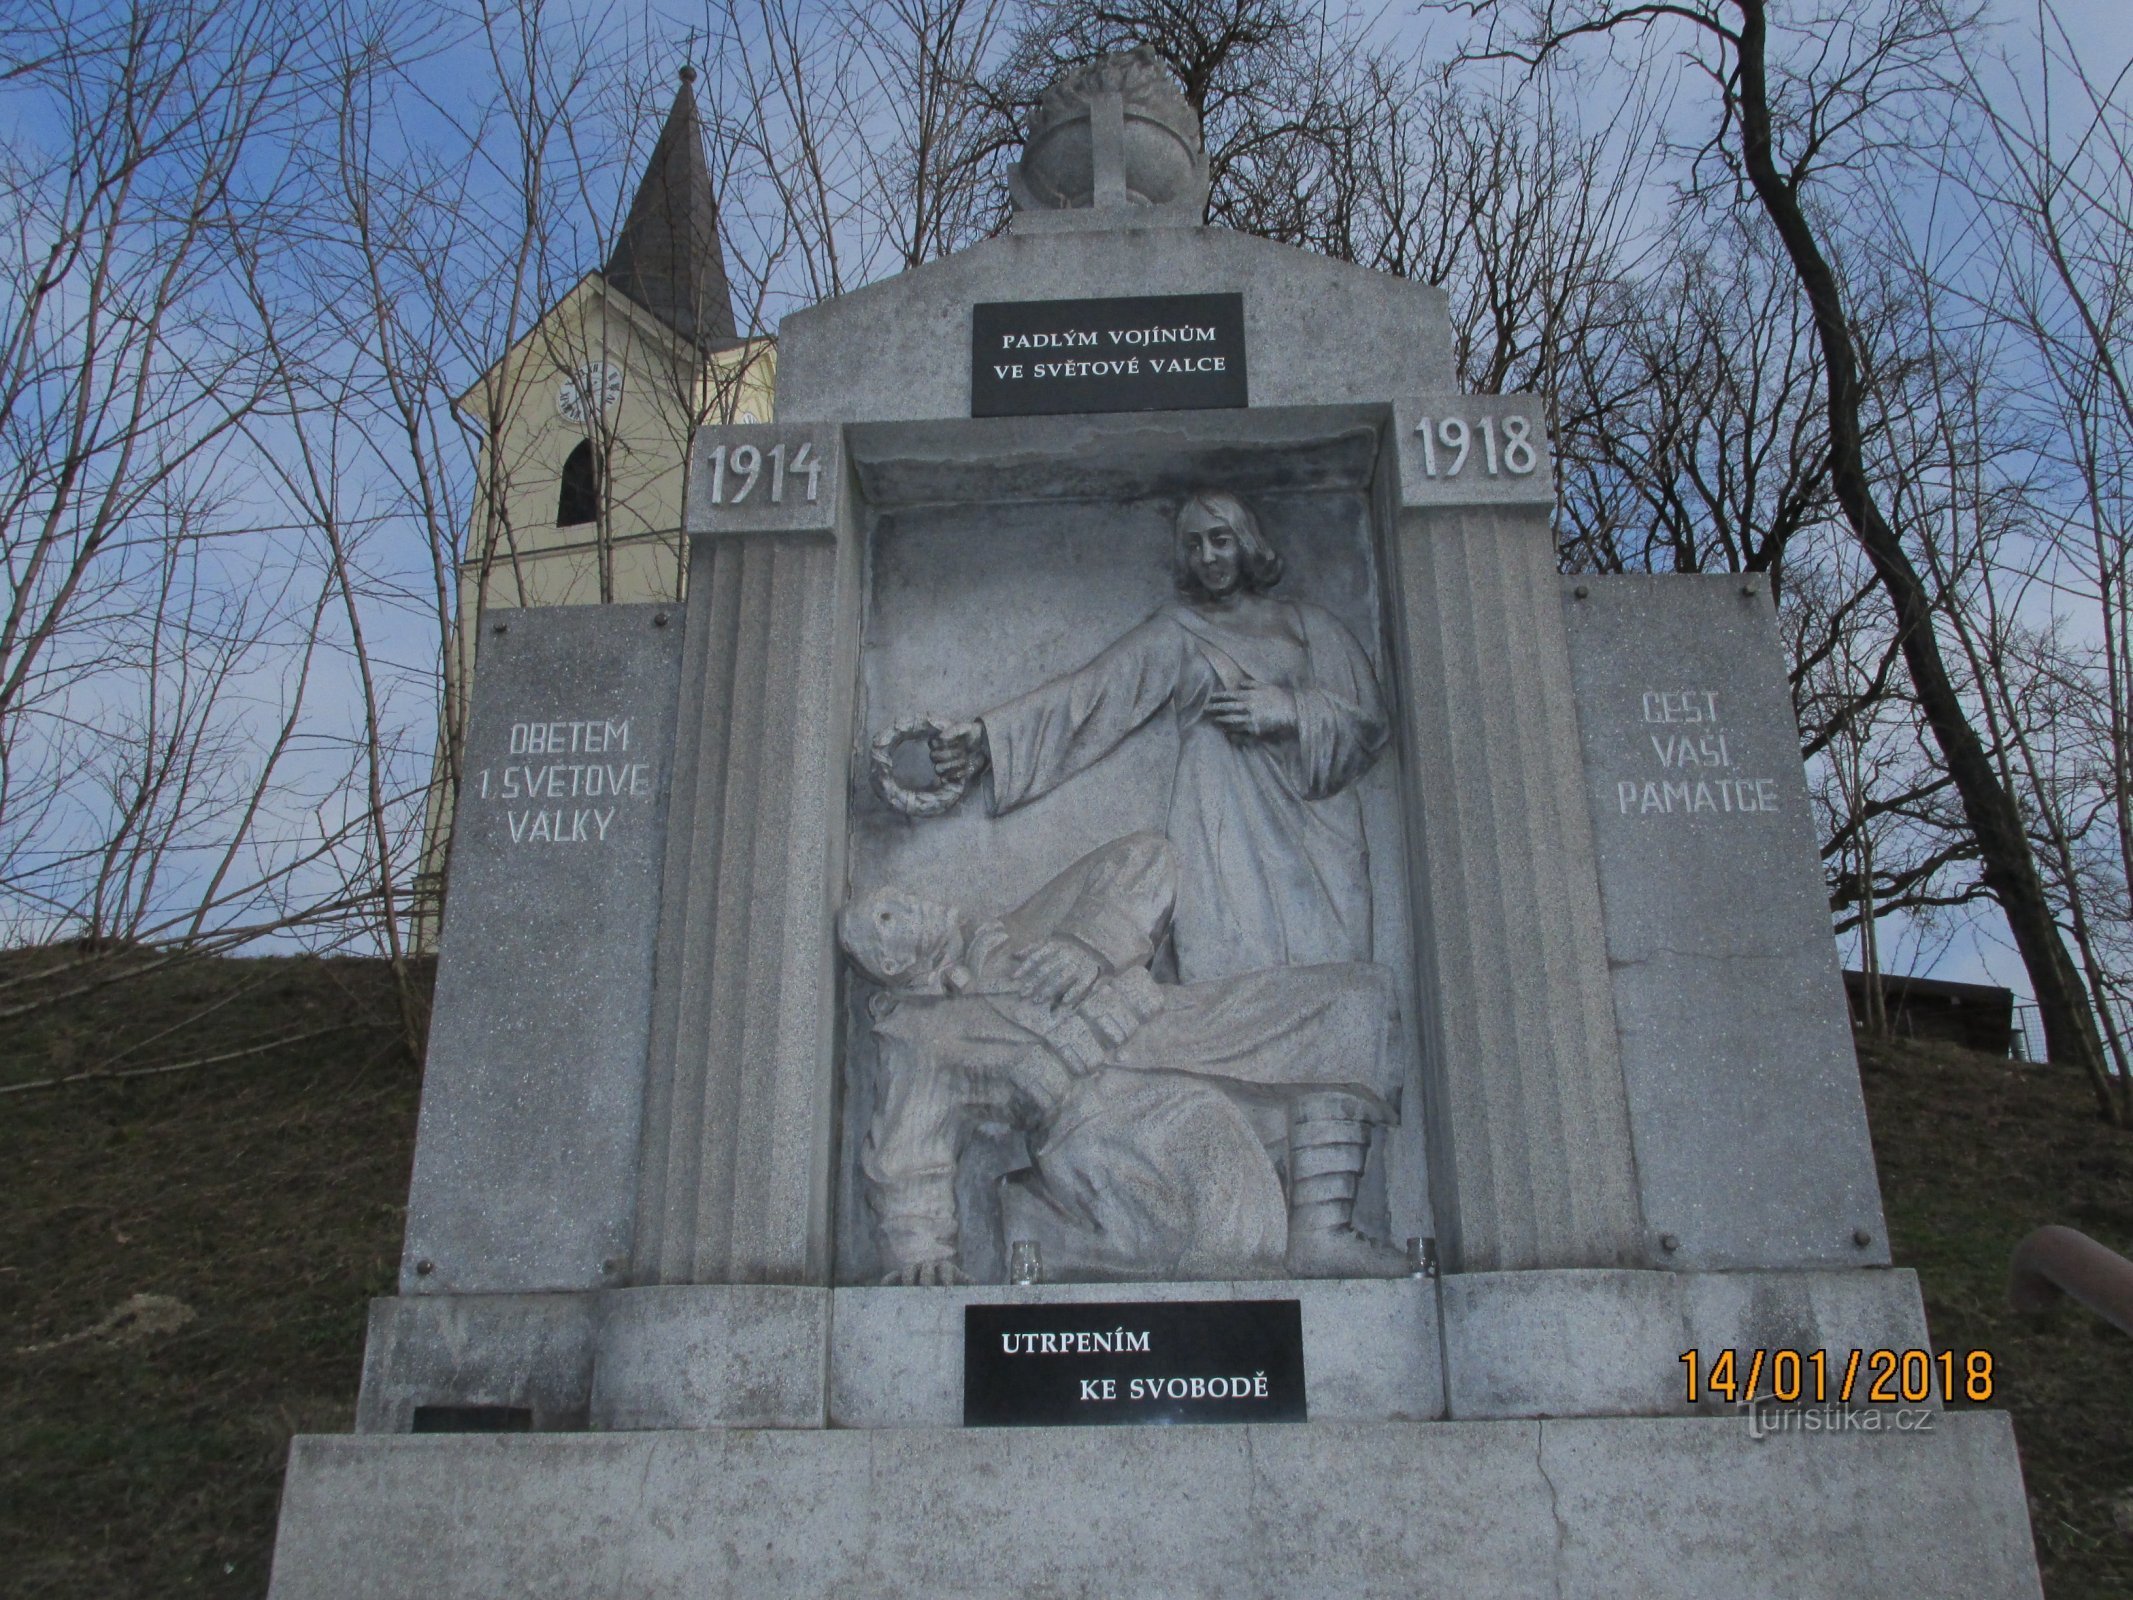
[(586, 423), (588, 416)]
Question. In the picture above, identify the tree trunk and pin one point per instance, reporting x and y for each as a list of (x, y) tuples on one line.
[(1877, 1002), (2010, 869)]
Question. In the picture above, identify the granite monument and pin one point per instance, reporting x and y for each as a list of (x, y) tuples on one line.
[(1129, 829)]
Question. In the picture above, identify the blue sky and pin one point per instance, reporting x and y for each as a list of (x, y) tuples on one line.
[(457, 82)]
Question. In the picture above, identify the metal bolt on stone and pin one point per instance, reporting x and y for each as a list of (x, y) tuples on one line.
[(1670, 1242)]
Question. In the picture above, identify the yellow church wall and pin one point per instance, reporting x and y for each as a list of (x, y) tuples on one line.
[(518, 554), (633, 552)]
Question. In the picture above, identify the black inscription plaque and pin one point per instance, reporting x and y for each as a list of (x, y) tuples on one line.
[(1142, 1361), (1176, 352)]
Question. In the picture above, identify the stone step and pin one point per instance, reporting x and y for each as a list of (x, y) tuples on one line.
[(1693, 1507)]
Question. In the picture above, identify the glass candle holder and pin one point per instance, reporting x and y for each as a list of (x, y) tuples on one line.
[(1024, 1263)]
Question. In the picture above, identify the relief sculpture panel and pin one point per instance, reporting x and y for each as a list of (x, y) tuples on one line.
[(1182, 1044)]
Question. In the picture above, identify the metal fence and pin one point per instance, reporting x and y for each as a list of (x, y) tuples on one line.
[(2027, 1044)]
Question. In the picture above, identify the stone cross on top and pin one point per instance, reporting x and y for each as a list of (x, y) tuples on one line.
[(1115, 136)]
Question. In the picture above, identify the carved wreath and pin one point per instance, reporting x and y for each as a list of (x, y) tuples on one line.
[(924, 804)]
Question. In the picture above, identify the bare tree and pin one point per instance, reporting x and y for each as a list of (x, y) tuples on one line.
[(1837, 90), (924, 63), (224, 409), (1693, 435), (1889, 835), (2048, 269), (253, 523), (121, 385)]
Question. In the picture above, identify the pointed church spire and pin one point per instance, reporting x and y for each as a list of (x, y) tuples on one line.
[(667, 257)]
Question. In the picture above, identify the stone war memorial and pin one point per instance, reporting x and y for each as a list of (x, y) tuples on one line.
[(1134, 996)]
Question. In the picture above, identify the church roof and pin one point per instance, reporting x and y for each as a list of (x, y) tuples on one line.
[(667, 257)]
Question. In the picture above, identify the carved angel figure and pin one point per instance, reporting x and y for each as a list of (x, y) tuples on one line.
[(1278, 713)]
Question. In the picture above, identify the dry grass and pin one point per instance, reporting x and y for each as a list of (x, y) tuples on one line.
[(264, 1196), (1975, 1153)]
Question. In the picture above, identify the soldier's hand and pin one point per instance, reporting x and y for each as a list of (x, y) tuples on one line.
[(1256, 711), (1057, 972), (958, 752)]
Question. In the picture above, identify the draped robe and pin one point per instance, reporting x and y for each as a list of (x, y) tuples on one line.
[(1269, 837)]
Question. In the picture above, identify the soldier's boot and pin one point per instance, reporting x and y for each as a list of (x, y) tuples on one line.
[(1329, 1140)]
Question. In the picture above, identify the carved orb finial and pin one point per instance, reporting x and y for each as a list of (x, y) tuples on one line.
[(1114, 133)]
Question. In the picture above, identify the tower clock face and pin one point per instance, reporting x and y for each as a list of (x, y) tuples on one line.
[(589, 392)]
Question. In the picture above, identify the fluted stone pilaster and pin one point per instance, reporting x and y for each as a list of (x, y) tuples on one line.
[(735, 1176), (1530, 1143)]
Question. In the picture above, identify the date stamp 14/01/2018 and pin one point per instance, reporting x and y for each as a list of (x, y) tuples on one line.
[(1819, 1377)]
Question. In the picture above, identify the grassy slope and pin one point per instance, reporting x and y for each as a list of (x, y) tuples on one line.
[(1974, 1153), (266, 1195)]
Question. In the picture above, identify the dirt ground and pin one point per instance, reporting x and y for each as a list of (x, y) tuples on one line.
[(1975, 1153), (185, 1259), (258, 1201)]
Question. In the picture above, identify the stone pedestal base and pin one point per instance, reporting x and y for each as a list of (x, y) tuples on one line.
[(1602, 1506), (1474, 1346)]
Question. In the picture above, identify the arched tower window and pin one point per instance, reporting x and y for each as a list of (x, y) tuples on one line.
[(580, 500)]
